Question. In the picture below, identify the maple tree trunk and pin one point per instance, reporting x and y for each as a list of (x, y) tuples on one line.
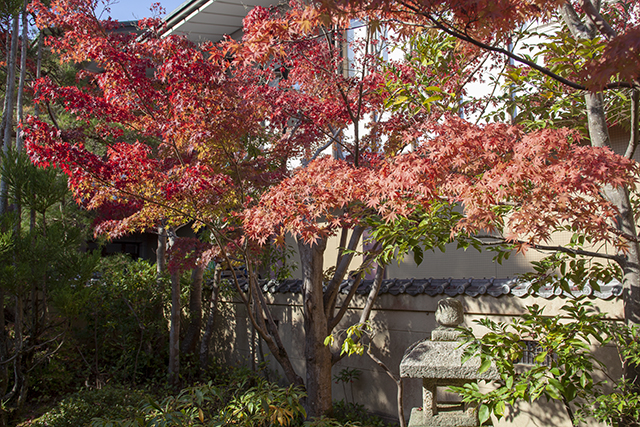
[(161, 252), (263, 321), (317, 355), (192, 335), (599, 134)]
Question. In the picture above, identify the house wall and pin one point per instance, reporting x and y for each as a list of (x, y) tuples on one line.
[(398, 322), (436, 264)]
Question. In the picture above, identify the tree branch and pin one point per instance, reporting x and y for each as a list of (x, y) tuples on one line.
[(465, 37), (331, 293), (373, 294), (577, 28), (333, 322), (397, 379), (366, 311), (634, 121), (546, 248), (600, 23)]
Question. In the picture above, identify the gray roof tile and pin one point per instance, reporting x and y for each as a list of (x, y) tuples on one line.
[(452, 287)]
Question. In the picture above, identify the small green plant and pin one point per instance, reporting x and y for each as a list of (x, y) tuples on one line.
[(192, 406), (262, 405), (265, 405), (355, 414), (347, 376)]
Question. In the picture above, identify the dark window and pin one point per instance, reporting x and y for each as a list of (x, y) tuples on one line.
[(531, 350)]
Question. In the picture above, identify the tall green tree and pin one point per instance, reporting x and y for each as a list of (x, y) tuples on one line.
[(43, 262)]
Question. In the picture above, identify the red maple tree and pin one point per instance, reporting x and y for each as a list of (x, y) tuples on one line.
[(167, 133)]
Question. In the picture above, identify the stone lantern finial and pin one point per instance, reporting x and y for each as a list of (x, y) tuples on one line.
[(449, 316)]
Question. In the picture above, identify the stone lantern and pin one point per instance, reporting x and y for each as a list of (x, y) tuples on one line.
[(438, 362)]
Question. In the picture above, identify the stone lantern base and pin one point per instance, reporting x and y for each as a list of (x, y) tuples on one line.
[(434, 414), (443, 419)]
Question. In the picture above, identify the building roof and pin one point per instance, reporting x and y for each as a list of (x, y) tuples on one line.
[(453, 287), (202, 20)]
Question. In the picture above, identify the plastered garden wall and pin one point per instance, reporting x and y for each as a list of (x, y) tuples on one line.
[(398, 321)]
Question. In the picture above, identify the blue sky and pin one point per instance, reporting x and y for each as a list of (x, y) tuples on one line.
[(129, 10)]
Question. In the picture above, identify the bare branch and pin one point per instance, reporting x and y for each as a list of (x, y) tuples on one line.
[(366, 311), (547, 248), (397, 379), (600, 23), (46, 356), (4, 362), (333, 322), (634, 121), (577, 28), (333, 286)]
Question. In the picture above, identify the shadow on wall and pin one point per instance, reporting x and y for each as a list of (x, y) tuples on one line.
[(543, 414), (236, 341), (225, 335)]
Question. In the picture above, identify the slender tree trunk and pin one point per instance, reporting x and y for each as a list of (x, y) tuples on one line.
[(176, 309), (12, 56), (619, 197), (174, 331), (35, 297), (161, 267), (317, 355), (23, 74), (211, 314), (161, 252), (4, 348), (7, 118), (192, 335), (625, 224), (21, 379)]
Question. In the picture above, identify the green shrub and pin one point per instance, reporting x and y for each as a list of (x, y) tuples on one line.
[(123, 328), (348, 413), (265, 405), (80, 408), (262, 405), (328, 422)]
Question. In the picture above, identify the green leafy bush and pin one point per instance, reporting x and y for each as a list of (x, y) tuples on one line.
[(348, 413), (264, 404), (123, 328), (328, 422), (80, 408)]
